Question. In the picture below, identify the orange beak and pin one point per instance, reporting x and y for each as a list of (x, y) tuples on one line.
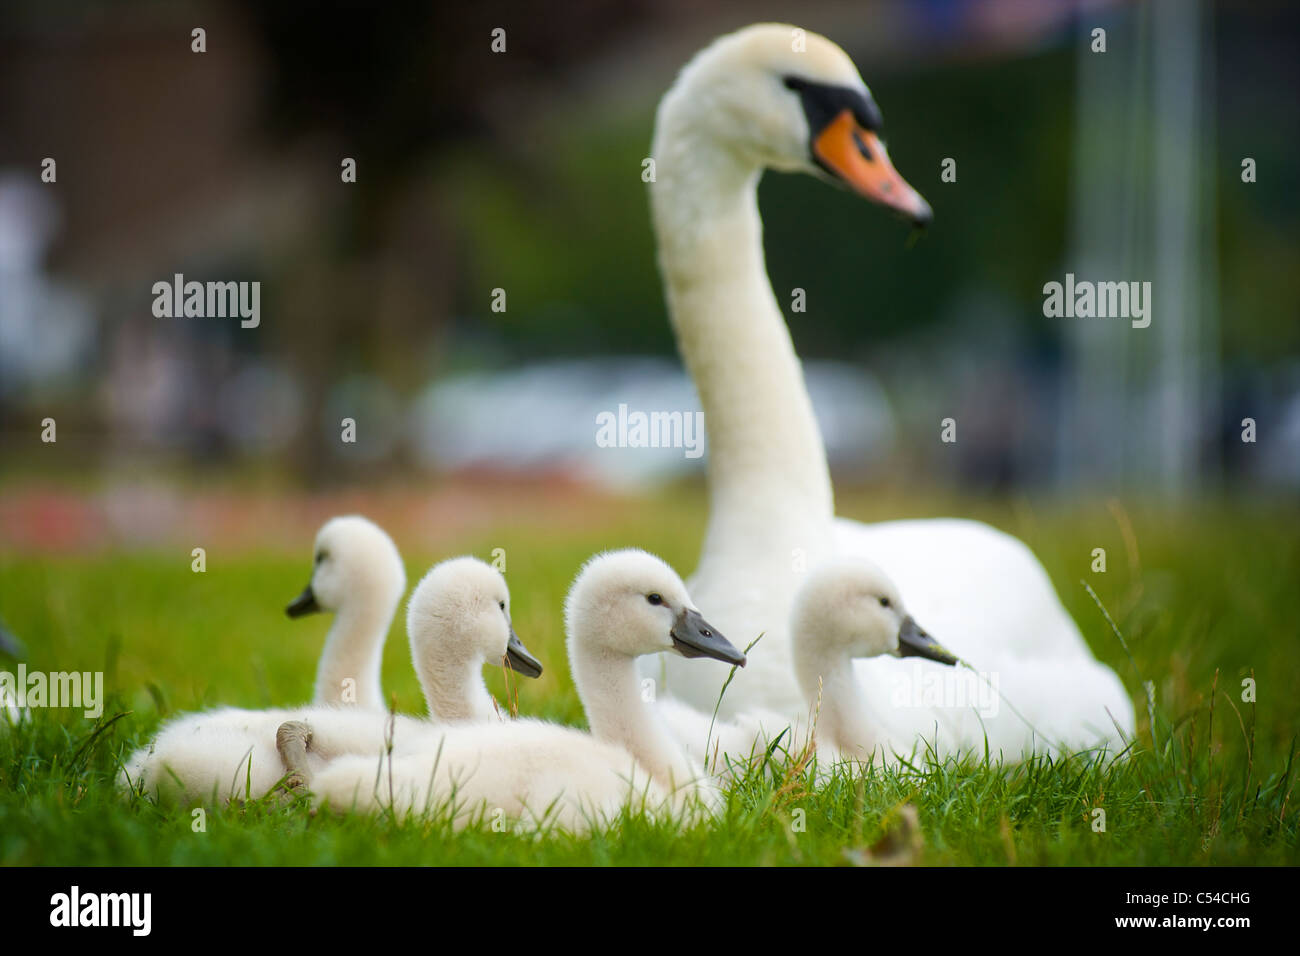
[(858, 157)]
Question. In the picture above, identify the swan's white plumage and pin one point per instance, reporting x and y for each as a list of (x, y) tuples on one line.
[(724, 746), (228, 753), (844, 609), (537, 771), (359, 577), (988, 599), (727, 117), (846, 613), (458, 620), (456, 623)]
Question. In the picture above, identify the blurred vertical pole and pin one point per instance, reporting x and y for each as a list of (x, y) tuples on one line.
[(1210, 346), (1109, 115), (1175, 405), (1137, 401)]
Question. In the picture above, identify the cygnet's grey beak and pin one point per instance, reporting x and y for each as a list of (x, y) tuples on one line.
[(304, 603), (519, 660), (693, 637), (914, 642)]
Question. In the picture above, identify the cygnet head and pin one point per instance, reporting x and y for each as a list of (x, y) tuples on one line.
[(630, 603), (774, 95), (851, 605), (464, 605), (354, 561)]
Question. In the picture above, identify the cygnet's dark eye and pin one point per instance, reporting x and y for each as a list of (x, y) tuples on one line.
[(655, 598), (502, 605), (321, 556), (884, 602)]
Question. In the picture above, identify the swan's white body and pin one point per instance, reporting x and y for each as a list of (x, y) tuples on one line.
[(458, 619), (230, 753), (726, 118), (538, 772), (727, 745), (845, 609), (985, 595)]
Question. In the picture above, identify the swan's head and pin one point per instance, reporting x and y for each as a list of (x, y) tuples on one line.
[(851, 606), (631, 603), (774, 95), (354, 563), (464, 604)]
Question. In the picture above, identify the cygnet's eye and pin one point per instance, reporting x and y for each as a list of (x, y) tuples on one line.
[(884, 602), (321, 556), (655, 598), (502, 605)]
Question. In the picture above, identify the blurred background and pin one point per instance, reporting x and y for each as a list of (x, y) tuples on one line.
[(521, 171)]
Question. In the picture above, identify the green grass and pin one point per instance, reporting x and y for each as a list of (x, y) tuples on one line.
[(1205, 597)]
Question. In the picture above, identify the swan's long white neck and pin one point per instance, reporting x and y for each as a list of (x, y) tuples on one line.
[(767, 463), (610, 689), (354, 651), (826, 672), (769, 486), (451, 677)]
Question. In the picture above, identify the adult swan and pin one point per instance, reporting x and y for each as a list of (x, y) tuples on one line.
[(770, 96)]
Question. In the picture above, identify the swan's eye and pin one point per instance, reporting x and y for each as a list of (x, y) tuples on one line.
[(502, 605), (655, 599), (321, 556), (884, 602)]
